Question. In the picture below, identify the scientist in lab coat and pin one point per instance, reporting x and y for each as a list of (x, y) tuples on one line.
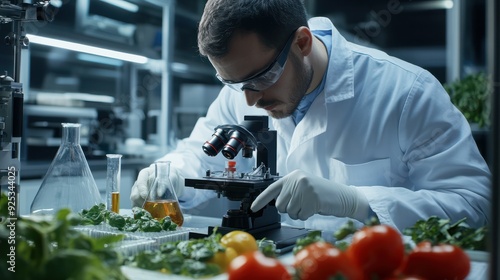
[(360, 133)]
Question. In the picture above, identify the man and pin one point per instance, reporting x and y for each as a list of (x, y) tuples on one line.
[(360, 133)]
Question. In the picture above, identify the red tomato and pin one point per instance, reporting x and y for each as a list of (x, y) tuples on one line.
[(254, 265), (323, 261), (438, 262), (378, 250)]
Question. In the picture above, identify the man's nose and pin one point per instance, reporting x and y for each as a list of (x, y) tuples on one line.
[(252, 96)]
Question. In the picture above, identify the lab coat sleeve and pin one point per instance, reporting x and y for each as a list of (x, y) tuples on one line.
[(448, 174)]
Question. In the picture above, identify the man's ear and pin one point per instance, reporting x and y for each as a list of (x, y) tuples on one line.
[(304, 40)]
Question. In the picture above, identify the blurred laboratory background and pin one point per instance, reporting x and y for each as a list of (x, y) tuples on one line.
[(129, 71)]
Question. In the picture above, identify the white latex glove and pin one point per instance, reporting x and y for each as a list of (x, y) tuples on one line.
[(144, 182), (301, 195)]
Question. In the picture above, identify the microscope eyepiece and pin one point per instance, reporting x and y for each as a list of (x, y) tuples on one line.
[(213, 146), (231, 139), (229, 142), (234, 145)]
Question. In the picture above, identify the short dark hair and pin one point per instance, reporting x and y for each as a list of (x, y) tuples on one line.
[(272, 20)]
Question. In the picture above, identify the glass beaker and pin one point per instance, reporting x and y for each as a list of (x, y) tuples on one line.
[(113, 176), (68, 182), (162, 200)]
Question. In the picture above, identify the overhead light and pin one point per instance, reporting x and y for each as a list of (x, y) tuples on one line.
[(448, 4), (56, 43), (123, 4), (99, 59), (429, 5)]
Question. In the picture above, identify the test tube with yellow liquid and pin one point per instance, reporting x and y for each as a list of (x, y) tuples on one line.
[(113, 182), (162, 200)]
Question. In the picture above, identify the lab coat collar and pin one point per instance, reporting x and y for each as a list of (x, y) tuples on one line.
[(339, 86), (340, 74), (313, 124)]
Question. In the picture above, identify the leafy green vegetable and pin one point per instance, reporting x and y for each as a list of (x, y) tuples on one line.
[(349, 228), (311, 237), (345, 230), (141, 220), (198, 269), (151, 260), (53, 249), (116, 220), (267, 247), (471, 96), (167, 224), (438, 230), (131, 227), (188, 257), (140, 213), (208, 245), (150, 226), (95, 215)]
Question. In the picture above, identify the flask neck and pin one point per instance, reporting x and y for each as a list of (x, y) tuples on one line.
[(162, 169), (71, 134)]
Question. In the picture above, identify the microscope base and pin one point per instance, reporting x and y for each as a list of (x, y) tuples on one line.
[(283, 237)]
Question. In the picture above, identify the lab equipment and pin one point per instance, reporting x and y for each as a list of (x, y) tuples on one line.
[(162, 200), (113, 176), (15, 13), (41, 136), (251, 135), (68, 182)]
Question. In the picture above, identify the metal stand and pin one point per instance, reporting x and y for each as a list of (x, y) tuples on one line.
[(15, 13)]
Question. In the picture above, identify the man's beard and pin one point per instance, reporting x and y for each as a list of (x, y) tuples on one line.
[(303, 78)]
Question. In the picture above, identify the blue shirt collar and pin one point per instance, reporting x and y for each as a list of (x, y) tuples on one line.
[(326, 37)]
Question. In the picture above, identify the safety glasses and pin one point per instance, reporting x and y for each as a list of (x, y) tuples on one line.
[(265, 78)]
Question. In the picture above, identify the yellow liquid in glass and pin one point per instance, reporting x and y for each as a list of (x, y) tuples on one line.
[(115, 202), (162, 208)]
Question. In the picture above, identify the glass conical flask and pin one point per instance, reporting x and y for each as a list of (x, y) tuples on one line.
[(162, 200), (68, 182)]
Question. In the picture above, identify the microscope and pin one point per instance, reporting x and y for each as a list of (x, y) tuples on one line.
[(251, 135), (14, 14)]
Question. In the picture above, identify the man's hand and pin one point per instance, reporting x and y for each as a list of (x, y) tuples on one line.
[(301, 195), (145, 180)]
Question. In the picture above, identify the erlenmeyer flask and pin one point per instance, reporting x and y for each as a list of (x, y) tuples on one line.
[(162, 200), (68, 182)]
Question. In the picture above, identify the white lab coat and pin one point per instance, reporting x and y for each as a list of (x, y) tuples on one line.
[(381, 124)]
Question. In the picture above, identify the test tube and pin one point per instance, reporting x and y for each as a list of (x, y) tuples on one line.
[(231, 168), (113, 182)]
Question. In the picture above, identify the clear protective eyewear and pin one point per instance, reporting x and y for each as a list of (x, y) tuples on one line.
[(265, 78)]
